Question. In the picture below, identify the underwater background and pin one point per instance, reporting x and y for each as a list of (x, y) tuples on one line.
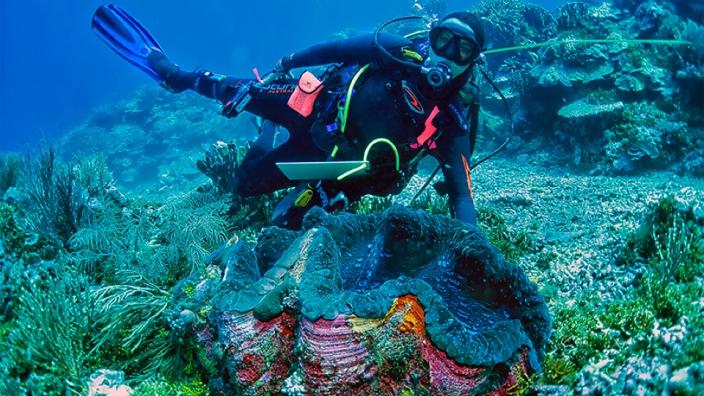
[(585, 275), (50, 55)]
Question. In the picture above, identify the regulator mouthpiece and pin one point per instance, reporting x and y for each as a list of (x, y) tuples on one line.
[(438, 75)]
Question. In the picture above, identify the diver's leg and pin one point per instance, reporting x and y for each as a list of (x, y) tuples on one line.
[(266, 140), (269, 101), (260, 175), (132, 41)]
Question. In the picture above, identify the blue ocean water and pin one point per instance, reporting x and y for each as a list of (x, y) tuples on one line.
[(54, 70)]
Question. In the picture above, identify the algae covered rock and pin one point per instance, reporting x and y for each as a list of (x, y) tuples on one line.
[(152, 139), (370, 304), (645, 134)]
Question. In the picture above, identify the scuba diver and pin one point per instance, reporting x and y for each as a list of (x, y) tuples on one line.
[(384, 102)]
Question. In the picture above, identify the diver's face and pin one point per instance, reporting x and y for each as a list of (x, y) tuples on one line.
[(452, 47)]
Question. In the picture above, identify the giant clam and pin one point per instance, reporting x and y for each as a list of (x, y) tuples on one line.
[(398, 303)]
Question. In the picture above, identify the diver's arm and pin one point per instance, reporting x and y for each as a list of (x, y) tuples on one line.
[(353, 50), (454, 153)]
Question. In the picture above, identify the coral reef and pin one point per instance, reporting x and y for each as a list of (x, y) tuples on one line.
[(351, 304), (564, 89), (646, 136), (511, 22), (151, 142), (614, 322)]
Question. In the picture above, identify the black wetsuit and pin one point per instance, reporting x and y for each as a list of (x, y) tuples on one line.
[(388, 101)]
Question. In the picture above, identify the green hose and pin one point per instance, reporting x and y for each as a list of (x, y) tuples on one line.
[(595, 41), (348, 98), (366, 155)]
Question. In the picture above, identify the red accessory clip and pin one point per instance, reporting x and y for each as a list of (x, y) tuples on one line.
[(428, 132), (256, 74)]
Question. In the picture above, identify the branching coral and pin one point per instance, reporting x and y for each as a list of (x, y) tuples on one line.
[(193, 226), (60, 196)]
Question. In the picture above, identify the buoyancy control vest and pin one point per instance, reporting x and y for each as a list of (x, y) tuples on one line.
[(386, 103)]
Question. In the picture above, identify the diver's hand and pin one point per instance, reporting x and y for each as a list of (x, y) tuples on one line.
[(280, 71)]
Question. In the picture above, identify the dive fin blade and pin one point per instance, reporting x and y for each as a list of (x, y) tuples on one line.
[(126, 36)]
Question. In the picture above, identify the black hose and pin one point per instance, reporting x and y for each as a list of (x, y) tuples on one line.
[(425, 185), (386, 52), (510, 119)]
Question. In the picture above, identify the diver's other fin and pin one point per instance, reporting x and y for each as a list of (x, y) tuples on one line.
[(289, 212), (121, 32)]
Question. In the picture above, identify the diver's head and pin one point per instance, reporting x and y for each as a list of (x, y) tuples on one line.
[(455, 44)]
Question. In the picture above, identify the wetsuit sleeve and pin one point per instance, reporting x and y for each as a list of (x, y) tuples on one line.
[(353, 50), (454, 153)]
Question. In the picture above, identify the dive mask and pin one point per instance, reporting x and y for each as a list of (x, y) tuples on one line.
[(454, 40)]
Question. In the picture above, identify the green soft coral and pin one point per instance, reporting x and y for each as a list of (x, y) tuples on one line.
[(49, 344)]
